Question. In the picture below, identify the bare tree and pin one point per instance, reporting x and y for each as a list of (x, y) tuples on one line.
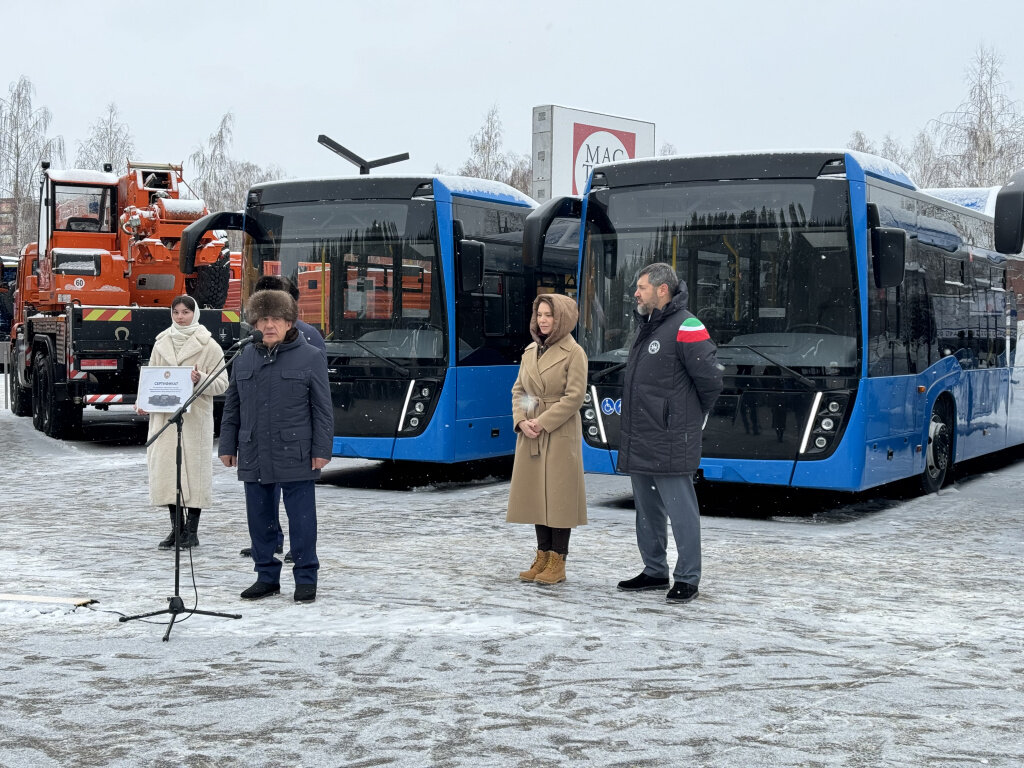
[(924, 164), (488, 161), (982, 140), (23, 146), (861, 143), (979, 144), (221, 181), (667, 149), (109, 141)]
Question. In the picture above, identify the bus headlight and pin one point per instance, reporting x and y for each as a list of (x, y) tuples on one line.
[(589, 414), (826, 424), (418, 407), (592, 431)]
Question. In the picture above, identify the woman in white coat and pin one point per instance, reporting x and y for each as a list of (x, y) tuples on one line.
[(185, 343)]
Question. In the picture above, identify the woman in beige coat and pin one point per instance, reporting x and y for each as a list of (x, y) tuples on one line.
[(547, 478), (185, 343)]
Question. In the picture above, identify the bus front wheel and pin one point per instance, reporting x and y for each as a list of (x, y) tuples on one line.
[(938, 456)]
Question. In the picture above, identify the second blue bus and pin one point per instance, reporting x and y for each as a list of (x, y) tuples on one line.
[(867, 328)]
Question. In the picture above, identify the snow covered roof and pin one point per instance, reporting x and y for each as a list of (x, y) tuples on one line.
[(465, 185), (871, 164), (981, 199), (80, 176)]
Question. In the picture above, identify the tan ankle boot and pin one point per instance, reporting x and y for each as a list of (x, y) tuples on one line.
[(537, 567), (553, 572)]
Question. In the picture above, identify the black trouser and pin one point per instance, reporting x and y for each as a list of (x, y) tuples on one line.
[(553, 539)]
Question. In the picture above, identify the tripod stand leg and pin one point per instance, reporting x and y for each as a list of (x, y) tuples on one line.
[(170, 626), (144, 615)]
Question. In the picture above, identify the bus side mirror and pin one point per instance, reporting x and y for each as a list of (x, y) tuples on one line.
[(1009, 215), (535, 228), (889, 250), (193, 233), (471, 266)]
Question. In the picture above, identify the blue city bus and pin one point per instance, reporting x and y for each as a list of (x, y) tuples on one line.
[(419, 288), (866, 329)]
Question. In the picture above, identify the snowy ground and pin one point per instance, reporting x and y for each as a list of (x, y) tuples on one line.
[(882, 633)]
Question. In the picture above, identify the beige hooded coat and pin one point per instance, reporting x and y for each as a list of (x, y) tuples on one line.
[(196, 429), (547, 477)]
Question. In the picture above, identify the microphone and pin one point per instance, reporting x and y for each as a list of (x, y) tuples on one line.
[(255, 336)]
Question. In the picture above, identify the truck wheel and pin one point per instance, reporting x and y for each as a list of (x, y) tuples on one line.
[(210, 286), (48, 416), (938, 455), (21, 397), (39, 395)]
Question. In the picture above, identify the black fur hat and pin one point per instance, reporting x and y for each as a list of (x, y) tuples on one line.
[(271, 304)]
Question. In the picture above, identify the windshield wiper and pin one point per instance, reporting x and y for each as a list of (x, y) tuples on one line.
[(796, 375), (402, 370), (600, 375)]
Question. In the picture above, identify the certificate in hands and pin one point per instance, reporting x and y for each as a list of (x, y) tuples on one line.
[(164, 389)]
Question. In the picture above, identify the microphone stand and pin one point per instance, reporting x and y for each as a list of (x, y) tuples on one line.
[(175, 605)]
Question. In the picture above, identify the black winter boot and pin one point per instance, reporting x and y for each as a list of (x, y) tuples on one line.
[(168, 543), (192, 529)]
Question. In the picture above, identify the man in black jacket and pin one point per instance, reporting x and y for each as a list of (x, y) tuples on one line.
[(672, 380)]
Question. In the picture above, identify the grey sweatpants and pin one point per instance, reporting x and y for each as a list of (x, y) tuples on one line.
[(658, 499)]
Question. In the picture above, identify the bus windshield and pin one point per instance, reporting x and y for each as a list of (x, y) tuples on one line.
[(767, 265), (367, 272)]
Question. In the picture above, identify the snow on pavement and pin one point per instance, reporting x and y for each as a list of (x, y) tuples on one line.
[(886, 632)]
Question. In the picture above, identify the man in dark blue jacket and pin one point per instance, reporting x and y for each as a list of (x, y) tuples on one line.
[(277, 428), (311, 335), (672, 380)]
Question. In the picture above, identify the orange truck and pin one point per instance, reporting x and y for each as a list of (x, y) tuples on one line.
[(95, 289)]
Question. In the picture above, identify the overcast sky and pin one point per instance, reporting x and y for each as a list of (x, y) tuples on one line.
[(390, 76)]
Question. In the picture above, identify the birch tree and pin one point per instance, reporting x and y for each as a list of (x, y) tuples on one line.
[(109, 141), (24, 144), (221, 181), (487, 160), (978, 144), (982, 140)]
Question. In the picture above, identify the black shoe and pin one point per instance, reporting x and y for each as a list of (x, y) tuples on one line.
[(261, 589), (305, 593), (247, 552), (681, 592), (641, 583), (288, 557), (167, 543)]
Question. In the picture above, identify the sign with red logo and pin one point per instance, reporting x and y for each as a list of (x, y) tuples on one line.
[(569, 143), (592, 145)]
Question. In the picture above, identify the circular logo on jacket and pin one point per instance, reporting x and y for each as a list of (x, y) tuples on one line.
[(653, 347)]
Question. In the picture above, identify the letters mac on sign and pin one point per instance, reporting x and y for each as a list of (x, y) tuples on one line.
[(592, 146)]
